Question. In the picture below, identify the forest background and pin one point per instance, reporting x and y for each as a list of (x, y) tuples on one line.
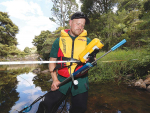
[(131, 21)]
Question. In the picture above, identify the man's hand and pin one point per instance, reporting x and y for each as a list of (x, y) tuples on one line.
[(54, 85), (89, 60), (54, 75)]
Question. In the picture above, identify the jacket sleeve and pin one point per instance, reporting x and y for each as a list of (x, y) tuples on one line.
[(54, 49)]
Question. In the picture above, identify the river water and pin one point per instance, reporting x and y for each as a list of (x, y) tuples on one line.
[(19, 87)]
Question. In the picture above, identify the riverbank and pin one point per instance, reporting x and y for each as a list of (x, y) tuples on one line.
[(121, 65), (31, 57)]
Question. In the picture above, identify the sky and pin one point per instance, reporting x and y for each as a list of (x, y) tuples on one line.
[(31, 17)]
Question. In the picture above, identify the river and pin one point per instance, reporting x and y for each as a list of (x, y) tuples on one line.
[(19, 87)]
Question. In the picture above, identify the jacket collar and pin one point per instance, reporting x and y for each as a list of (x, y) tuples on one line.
[(65, 33)]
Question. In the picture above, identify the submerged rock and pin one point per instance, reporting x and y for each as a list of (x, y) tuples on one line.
[(148, 88), (141, 84), (138, 83), (50, 80), (147, 81), (45, 71), (37, 71)]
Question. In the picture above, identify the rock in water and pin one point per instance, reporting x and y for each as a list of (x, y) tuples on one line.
[(37, 71), (138, 83), (147, 81), (148, 88)]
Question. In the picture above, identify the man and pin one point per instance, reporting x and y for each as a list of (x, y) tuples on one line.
[(71, 43)]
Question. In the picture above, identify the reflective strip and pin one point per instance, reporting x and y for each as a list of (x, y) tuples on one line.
[(33, 62)]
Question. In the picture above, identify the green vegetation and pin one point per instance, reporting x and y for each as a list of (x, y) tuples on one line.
[(62, 10), (8, 41), (44, 42), (118, 64), (10, 51), (27, 50), (131, 21)]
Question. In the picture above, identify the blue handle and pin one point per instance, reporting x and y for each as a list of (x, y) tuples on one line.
[(28, 108), (118, 45), (82, 68)]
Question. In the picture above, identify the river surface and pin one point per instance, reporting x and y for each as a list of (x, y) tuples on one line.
[(20, 87)]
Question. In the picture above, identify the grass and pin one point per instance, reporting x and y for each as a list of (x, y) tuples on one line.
[(119, 63)]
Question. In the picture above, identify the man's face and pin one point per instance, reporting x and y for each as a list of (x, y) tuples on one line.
[(76, 26)]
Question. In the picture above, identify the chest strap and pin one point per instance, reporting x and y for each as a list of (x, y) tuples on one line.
[(63, 65)]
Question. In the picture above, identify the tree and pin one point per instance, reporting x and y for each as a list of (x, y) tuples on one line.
[(112, 27), (47, 45), (39, 40), (147, 6), (102, 18), (97, 11), (144, 27), (62, 10), (27, 50), (97, 7), (33, 49), (8, 41), (8, 30), (129, 5), (44, 42)]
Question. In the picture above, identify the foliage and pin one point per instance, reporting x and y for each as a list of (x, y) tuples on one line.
[(97, 7), (33, 49), (38, 41), (44, 42), (129, 5), (8, 30), (47, 45), (8, 51), (8, 41), (62, 10), (120, 63), (27, 50), (130, 21)]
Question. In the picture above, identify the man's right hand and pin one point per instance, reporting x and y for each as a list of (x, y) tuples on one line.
[(54, 85), (54, 75)]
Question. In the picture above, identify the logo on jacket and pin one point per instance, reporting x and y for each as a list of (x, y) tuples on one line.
[(64, 44)]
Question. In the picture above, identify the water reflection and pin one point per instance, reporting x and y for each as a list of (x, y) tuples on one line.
[(17, 89), (20, 87), (8, 93), (27, 92)]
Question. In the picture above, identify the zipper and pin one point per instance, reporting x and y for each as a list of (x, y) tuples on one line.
[(72, 54)]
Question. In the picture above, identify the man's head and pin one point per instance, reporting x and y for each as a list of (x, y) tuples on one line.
[(79, 15), (77, 23)]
